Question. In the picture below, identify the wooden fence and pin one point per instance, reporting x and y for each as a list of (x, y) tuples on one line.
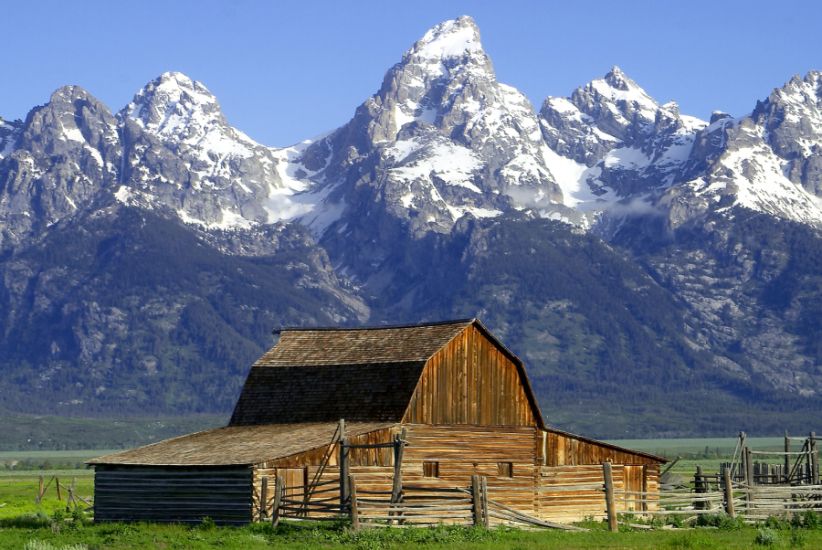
[(711, 494), (417, 505), (73, 500)]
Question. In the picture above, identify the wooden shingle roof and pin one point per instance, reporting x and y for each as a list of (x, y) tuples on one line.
[(357, 346), (236, 445), (322, 375)]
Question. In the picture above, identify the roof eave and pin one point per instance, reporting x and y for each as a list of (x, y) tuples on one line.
[(659, 459)]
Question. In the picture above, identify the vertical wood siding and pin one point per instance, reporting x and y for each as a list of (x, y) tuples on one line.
[(470, 381), (564, 449)]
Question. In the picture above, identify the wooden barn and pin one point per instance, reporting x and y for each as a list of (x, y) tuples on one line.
[(423, 406)]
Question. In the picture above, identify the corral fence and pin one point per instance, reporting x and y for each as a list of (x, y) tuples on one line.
[(421, 504), (714, 494), (414, 505), (788, 466)]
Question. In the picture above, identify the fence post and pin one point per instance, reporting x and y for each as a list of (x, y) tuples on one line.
[(475, 500), (355, 514), (278, 497), (749, 478), (396, 488), (814, 460), (610, 505), (484, 503), (729, 493), (699, 488), (39, 491), (749, 468), (787, 461), (57, 484), (344, 467), (263, 498)]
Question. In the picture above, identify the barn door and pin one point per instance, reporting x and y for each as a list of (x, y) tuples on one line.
[(296, 479), (634, 486)]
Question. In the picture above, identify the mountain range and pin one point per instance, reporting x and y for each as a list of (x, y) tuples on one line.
[(659, 274)]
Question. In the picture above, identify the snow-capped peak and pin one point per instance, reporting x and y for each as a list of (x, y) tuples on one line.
[(452, 38), (616, 87), (172, 102)]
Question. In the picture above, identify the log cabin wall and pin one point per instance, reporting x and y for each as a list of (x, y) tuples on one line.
[(471, 381), (505, 455), (173, 494), (559, 501)]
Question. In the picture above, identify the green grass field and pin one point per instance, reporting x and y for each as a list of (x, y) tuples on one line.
[(697, 447), (48, 526)]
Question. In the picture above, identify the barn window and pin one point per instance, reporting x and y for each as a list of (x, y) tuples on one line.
[(505, 469), (430, 469)]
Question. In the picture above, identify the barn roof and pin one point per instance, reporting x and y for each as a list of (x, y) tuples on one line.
[(236, 445), (360, 374), (355, 346)]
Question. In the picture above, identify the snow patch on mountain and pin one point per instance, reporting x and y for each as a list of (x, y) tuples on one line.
[(9, 133), (449, 39)]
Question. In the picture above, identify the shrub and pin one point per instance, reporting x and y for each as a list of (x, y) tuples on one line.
[(766, 536)]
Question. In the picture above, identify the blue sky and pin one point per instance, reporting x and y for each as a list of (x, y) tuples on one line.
[(286, 71)]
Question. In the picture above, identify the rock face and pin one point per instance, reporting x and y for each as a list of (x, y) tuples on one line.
[(181, 154), (56, 164), (441, 139), (618, 245)]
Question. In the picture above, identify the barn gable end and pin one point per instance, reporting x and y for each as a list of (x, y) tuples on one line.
[(473, 380)]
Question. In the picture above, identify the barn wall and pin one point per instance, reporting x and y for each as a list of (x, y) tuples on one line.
[(558, 500), (459, 451), (462, 451), (559, 449), (470, 381), (169, 494)]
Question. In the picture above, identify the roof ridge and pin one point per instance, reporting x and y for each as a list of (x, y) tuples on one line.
[(376, 327)]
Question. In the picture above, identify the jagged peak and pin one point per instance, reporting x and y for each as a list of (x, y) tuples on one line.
[(616, 78), (71, 92), (810, 83), (174, 87), (616, 87), (172, 96), (449, 39)]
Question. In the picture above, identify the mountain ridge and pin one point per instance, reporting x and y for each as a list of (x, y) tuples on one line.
[(145, 254)]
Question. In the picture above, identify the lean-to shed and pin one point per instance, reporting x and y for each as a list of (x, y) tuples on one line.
[(460, 398)]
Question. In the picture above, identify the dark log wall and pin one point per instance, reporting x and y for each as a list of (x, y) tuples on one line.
[(172, 495), (470, 381)]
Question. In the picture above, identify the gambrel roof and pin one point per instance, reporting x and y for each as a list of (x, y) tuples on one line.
[(360, 374)]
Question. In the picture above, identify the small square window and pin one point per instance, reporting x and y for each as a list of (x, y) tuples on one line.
[(430, 469), (505, 469)]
